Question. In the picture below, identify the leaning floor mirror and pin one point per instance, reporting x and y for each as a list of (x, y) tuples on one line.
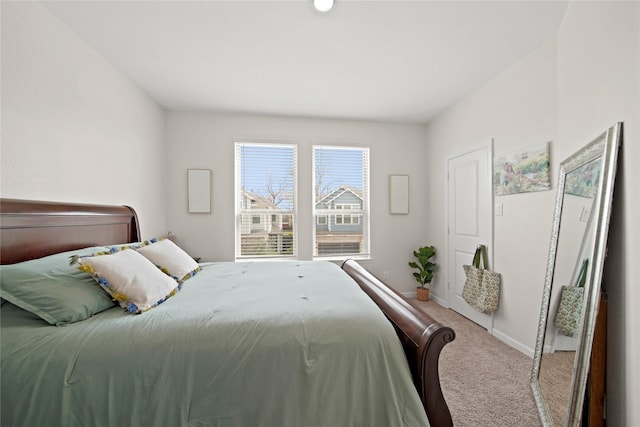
[(573, 279)]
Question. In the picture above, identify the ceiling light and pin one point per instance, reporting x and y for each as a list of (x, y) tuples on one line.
[(323, 5)]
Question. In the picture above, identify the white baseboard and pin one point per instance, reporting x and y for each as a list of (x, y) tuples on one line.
[(412, 294), (496, 333), (433, 297), (438, 300), (513, 343)]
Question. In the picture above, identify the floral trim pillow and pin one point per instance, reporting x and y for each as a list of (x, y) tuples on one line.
[(135, 283), (170, 258)]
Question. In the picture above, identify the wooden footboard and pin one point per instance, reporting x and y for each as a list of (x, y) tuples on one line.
[(422, 338)]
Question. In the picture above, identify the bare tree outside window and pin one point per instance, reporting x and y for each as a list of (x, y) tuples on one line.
[(266, 177)]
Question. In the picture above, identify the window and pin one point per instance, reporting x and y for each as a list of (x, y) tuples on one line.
[(347, 219), (341, 201), (265, 200)]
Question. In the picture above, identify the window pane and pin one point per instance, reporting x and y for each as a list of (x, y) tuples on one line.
[(341, 184), (266, 193)]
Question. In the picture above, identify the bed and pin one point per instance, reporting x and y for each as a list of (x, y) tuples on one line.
[(251, 343)]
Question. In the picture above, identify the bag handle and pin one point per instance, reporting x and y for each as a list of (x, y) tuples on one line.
[(582, 277), (481, 250), (476, 258)]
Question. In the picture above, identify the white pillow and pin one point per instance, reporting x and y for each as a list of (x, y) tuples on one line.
[(170, 258), (130, 279)]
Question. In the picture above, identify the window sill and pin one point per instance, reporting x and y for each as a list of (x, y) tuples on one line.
[(343, 258)]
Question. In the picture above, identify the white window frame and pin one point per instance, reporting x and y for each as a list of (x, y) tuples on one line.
[(241, 209), (362, 216)]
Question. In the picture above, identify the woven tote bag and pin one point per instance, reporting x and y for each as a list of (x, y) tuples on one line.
[(570, 307), (482, 287)]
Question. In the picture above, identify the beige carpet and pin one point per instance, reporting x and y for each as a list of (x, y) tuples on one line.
[(485, 381), (555, 382)]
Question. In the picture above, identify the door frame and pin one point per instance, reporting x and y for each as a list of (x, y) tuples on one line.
[(489, 162)]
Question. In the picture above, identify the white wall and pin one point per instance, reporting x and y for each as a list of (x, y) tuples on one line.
[(569, 91), (517, 110), (74, 128), (598, 85), (67, 113), (206, 141)]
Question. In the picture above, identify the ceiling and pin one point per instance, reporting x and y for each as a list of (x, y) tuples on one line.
[(391, 61)]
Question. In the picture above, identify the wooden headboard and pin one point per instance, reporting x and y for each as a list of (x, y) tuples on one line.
[(33, 229)]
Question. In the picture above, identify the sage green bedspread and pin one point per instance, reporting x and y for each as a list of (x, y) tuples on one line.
[(242, 344)]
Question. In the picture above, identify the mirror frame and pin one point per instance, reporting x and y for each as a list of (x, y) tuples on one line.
[(605, 145)]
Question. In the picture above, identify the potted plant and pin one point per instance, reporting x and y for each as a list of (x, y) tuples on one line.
[(425, 268)]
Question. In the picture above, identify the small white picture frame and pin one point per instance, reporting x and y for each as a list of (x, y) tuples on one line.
[(199, 188), (399, 194)]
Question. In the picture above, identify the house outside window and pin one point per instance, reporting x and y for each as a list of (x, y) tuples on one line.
[(265, 200), (347, 219), (341, 209)]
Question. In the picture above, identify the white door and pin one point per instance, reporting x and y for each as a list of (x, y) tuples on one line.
[(470, 223)]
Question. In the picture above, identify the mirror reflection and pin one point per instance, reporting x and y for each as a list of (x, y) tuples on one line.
[(573, 278), (576, 238)]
